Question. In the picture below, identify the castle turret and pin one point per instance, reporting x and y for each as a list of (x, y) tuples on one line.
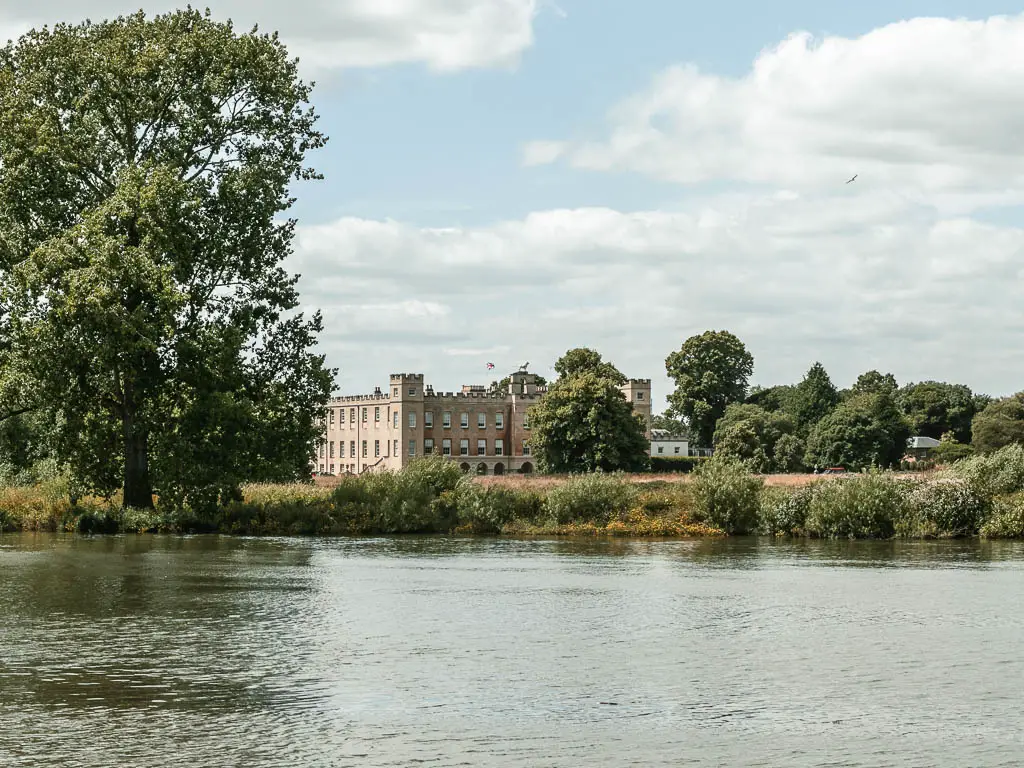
[(638, 392)]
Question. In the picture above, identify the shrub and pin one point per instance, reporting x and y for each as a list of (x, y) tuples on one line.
[(947, 508), (594, 497), (676, 464), (726, 495), (489, 510), (864, 507), (1006, 520), (783, 512), (996, 473)]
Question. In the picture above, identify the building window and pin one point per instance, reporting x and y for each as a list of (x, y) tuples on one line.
[(341, 415), (396, 393), (446, 419), (412, 421), (341, 449), (322, 449), (395, 451), (364, 449), (526, 448), (412, 447), (412, 391), (428, 419), (481, 421), (661, 449), (332, 469), (394, 420), (499, 421), (428, 447), (677, 449), (499, 447), (352, 448), (464, 447), (446, 447), (364, 415), (332, 417), (376, 413), (332, 449), (376, 448), (464, 421), (352, 416), (526, 421), (322, 469), (481, 447), (639, 395)]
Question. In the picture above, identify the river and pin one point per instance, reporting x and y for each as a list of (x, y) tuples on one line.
[(157, 651)]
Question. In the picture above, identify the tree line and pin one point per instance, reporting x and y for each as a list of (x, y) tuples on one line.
[(586, 423)]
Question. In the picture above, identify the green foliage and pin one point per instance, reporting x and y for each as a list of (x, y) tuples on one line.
[(145, 170), (933, 408), (996, 473), (583, 360), (710, 371), (864, 507), (778, 398), (585, 424), (783, 511), (814, 398), (595, 497), (864, 431), (789, 454), (944, 509), (874, 383), (1001, 423), (726, 495), (950, 450), (1006, 520), (681, 464), (669, 423), (752, 435)]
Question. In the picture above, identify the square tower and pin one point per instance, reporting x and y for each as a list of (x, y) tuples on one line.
[(638, 392), (407, 393)]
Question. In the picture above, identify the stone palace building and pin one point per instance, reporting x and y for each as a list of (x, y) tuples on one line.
[(486, 430)]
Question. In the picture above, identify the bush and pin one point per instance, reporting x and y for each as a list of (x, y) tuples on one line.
[(726, 495), (676, 464), (783, 512), (864, 507), (1006, 520), (594, 498), (944, 509), (996, 473), (489, 510)]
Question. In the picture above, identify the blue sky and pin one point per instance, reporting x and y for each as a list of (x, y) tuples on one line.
[(510, 178)]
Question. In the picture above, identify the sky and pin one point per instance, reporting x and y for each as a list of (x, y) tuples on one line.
[(508, 179)]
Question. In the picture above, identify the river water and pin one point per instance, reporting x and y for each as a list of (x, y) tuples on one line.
[(211, 651)]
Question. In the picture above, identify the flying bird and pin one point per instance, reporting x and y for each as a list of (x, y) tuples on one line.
[(854, 177)]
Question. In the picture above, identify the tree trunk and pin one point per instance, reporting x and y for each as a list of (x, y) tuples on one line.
[(138, 491)]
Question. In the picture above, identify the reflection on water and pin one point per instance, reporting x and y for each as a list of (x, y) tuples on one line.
[(150, 651)]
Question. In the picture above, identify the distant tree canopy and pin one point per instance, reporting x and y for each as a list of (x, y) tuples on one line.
[(933, 408), (145, 169), (1001, 423), (710, 371), (874, 382), (669, 423), (763, 440), (866, 430), (585, 423), (585, 360), (778, 398), (814, 398)]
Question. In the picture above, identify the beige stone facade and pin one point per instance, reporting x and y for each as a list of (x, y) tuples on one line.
[(484, 430)]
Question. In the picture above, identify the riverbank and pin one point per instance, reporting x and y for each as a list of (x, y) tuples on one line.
[(982, 496)]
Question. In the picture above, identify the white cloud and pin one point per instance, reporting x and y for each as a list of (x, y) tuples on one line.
[(542, 152), (856, 283), (446, 35), (927, 108)]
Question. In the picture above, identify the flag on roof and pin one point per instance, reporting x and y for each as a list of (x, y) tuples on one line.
[(489, 366)]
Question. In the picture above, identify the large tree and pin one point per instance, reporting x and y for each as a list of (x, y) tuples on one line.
[(753, 435), (814, 397), (865, 430), (144, 167), (934, 408), (1001, 423), (873, 382), (585, 423), (586, 360), (710, 370)]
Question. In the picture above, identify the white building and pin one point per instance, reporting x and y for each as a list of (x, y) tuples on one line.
[(664, 443)]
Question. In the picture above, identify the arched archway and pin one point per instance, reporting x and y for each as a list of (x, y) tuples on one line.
[(499, 468), (481, 468), (464, 467), (526, 469)]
